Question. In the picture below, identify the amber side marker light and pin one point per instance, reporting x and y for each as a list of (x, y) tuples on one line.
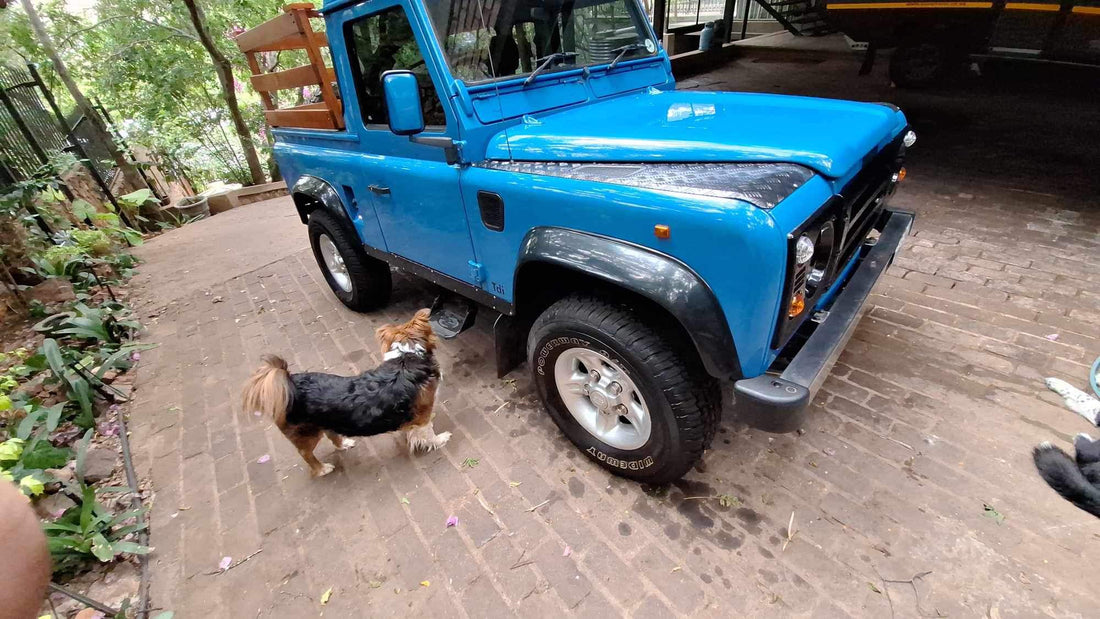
[(661, 231), (798, 303), (901, 175)]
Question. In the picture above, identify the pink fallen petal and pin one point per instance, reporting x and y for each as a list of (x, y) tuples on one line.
[(1052, 337), (568, 551), (452, 521), (136, 356), (225, 563), (264, 458)]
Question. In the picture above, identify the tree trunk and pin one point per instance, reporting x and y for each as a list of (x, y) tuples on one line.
[(224, 70), (99, 128)]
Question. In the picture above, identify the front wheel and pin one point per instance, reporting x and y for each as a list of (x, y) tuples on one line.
[(361, 282), (621, 392)]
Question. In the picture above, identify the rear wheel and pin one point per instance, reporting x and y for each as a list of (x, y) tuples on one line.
[(620, 391), (360, 282), (919, 63)]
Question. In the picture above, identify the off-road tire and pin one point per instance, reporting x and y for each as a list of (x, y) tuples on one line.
[(918, 64), (684, 402), (370, 278)]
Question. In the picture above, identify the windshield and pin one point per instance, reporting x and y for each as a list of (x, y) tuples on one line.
[(492, 39)]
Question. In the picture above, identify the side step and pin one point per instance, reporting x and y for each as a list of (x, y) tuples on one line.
[(452, 315)]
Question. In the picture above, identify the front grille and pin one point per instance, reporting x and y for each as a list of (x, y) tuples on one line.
[(852, 214)]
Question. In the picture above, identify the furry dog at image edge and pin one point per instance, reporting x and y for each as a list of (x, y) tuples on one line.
[(1076, 479), (396, 396)]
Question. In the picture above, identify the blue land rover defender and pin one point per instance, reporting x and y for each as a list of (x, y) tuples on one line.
[(638, 244)]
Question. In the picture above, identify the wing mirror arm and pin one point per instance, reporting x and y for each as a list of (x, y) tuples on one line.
[(450, 148)]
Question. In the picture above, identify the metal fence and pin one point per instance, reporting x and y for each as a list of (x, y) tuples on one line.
[(32, 131), (689, 13)]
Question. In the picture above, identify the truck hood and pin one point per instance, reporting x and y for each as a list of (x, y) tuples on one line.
[(827, 135)]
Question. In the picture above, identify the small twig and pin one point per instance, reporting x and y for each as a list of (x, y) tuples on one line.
[(886, 592), (916, 594), (499, 407), (520, 562), (233, 565), (903, 444), (790, 532), (531, 509), (484, 504), (85, 600)]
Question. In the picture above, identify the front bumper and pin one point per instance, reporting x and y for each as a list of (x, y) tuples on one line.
[(778, 403)]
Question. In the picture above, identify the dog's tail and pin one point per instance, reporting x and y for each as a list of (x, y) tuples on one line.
[(1060, 472), (269, 390)]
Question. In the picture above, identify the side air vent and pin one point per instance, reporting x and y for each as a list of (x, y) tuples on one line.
[(492, 210)]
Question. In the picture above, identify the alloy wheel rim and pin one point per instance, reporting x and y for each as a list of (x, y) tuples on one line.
[(603, 398), (334, 262)]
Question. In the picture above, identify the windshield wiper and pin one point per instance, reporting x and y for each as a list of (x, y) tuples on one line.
[(623, 51), (545, 63)]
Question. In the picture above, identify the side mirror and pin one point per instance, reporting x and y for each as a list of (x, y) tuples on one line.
[(402, 95)]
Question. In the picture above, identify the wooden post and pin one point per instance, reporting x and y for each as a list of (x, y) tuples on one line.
[(660, 14)]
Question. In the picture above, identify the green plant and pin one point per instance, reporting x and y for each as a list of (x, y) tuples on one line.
[(24, 457), (76, 386), (93, 242), (59, 261), (90, 530)]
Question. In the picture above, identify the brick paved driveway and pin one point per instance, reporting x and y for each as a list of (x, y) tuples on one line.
[(929, 416)]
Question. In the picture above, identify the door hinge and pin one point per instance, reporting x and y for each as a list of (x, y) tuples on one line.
[(475, 272)]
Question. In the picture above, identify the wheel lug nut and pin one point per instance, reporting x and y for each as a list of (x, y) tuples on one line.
[(616, 388), (621, 409), (594, 376)]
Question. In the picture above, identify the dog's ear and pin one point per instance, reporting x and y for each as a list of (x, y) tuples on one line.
[(385, 336)]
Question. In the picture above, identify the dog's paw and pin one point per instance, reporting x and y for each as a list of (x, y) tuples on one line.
[(326, 468), (441, 439), (346, 444)]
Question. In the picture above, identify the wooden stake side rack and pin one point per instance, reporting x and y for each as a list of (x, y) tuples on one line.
[(292, 30)]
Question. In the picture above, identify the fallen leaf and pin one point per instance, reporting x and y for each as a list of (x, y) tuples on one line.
[(990, 512), (225, 563), (470, 462), (677, 568), (728, 500), (568, 551), (452, 521), (405, 500), (874, 588), (1052, 337), (374, 584), (515, 484), (326, 596), (425, 583), (264, 458)]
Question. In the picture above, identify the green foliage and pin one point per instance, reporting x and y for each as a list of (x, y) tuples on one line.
[(59, 260), (25, 456), (93, 242), (90, 530)]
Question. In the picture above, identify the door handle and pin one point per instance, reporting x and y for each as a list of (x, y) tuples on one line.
[(379, 190)]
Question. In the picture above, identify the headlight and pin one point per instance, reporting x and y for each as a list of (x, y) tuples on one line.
[(803, 250), (909, 139)]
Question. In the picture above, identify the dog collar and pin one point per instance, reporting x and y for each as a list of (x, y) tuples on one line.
[(403, 348)]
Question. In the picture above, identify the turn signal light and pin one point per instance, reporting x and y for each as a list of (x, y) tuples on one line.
[(798, 303), (901, 175), (661, 231)]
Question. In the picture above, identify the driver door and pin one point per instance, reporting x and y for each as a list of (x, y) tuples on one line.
[(414, 191)]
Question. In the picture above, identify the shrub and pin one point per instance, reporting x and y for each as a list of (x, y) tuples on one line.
[(93, 242)]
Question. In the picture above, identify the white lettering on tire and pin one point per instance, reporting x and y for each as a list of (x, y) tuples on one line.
[(612, 461)]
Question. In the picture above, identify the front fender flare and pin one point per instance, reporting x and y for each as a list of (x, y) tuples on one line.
[(662, 279)]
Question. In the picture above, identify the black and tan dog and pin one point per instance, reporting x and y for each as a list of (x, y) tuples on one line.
[(1077, 479), (396, 396)]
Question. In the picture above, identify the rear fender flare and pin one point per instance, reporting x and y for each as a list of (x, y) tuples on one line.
[(310, 193)]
